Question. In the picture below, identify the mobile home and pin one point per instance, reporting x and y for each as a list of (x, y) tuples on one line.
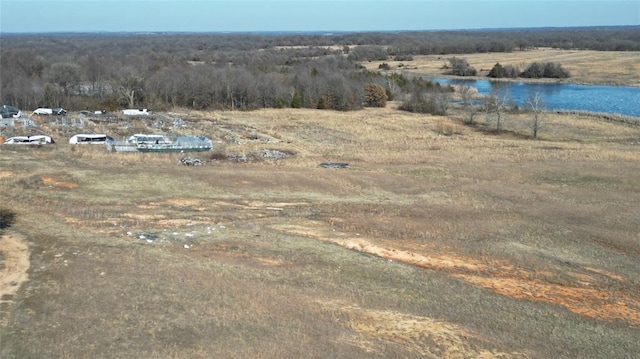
[(29, 140), (82, 138)]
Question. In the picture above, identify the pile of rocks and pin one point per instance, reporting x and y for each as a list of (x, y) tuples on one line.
[(274, 154), (190, 161)]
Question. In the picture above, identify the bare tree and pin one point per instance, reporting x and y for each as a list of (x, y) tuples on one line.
[(23, 61), (21, 91), (535, 103), (469, 95), (130, 86), (491, 108), (94, 70), (66, 75), (52, 96), (271, 91), (496, 106), (341, 95), (165, 85)]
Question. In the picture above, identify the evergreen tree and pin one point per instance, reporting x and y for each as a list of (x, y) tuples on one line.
[(497, 71)]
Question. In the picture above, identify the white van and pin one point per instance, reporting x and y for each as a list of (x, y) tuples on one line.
[(136, 112), (82, 138)]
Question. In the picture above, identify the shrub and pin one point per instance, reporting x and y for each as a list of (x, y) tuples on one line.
[(460, 67), (553, 70), (533, 71), (7, 218), (390, 95), (375, 95), (499, 71), (435, 103), (296, 101)]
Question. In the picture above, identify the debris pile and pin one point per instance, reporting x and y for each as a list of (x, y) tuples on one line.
[(191, 161), (274, 154), (334, 165)]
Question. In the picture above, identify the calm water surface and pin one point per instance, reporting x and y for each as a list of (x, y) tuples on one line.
[(622, 100)]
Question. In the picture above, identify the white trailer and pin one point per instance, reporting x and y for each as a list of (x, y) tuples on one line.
[(95, 139), (136, 112), (29, 140)]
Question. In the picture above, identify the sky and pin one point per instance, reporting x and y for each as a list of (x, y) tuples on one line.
[(46, 16)]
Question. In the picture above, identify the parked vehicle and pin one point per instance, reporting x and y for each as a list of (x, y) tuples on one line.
[(10, 112), (88, 113), (97, 139), (29, 140), (136, 112), (50, 111)]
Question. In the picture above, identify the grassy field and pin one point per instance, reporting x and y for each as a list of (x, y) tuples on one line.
[(585, 66), (438, 241)]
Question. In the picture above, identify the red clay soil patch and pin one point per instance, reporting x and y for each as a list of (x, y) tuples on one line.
[(52, 181), (590, 302), (582, 297)]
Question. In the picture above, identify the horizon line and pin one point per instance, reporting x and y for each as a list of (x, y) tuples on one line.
[(328, 32)]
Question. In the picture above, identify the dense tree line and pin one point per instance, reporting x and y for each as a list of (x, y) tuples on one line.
[(539, 70), (247, 71), (207, 46), (263, 80), (536, 70)]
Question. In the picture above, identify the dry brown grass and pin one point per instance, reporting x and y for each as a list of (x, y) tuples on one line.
[(585, 66), (439, 240)]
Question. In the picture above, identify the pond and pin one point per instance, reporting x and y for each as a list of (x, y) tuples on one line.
[(622, 100)]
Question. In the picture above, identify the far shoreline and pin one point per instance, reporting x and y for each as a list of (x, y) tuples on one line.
[(586, 67)]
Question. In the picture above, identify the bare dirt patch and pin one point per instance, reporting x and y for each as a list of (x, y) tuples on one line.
[(14, 266), (595, 302), (54, 181), (7, 174), (187, 202), (423, 336)]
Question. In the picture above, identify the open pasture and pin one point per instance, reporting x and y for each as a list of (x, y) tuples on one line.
[(438, 240)]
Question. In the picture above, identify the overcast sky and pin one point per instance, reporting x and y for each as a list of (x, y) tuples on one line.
[(307, 15)]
